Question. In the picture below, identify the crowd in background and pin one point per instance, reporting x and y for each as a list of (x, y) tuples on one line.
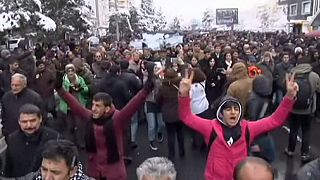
[(250, 67)]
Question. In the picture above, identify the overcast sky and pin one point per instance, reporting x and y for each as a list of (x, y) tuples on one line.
[(193, 9)]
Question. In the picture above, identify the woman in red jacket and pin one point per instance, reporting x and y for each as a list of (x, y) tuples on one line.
[(232, 137)]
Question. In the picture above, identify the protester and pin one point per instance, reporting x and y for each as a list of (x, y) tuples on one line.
[(14, 99), (104, 130), (254, 168), (304, 108), (279, 73), (26, 144), (231, 145), (156, 168), (258, 103), (167, 99), (44, 85), (60, 160), (242, 86), (250, 53)]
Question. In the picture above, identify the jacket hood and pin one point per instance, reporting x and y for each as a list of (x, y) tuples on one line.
[(223, 102), (302, 69), (239, 71), (79, 175), (259, 86)]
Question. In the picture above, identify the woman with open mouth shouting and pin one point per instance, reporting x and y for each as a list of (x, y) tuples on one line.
[(229, 136)]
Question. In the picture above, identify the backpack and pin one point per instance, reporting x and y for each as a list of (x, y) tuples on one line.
[(304, 95)]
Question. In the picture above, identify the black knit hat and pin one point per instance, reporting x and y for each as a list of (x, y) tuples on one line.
[(229, 104)]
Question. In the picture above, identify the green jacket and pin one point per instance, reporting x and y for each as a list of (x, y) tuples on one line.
[(81, 95)]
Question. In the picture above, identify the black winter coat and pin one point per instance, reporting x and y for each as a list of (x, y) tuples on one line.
[(254, 106), (117, 89), (214, 84), (134, 84), (24, 152), (259, 96), (280, 71), (11, 104), (316, 67)]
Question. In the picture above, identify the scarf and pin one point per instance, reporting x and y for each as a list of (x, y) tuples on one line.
[(110, 137), (231, 135), (78, 176), (286, 66)]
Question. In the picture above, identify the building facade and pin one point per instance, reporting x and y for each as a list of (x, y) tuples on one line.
[(298, 9), (299, 14), (121, 4)]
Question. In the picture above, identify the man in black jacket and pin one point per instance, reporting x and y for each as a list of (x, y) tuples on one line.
[(115, 87), (132, 81), (14, 99), (25, 145)]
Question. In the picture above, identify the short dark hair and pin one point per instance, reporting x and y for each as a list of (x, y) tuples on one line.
[(114, 69), (104, 97), (61, 149), (30, 109), (124, 64), (199, 76), (217, 45), (254, 160), (285, 53)]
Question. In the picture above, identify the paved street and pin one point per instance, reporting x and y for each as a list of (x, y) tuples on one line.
[(192, 166)]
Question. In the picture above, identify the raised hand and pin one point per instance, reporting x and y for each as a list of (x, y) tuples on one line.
[(185, 84), (292, 86)]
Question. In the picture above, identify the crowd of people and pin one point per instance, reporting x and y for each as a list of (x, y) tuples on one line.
[(230, 88)]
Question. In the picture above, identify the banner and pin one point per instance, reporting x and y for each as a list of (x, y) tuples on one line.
[(227, 16)]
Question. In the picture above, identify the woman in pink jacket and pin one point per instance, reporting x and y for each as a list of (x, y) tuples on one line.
[(228, 137)]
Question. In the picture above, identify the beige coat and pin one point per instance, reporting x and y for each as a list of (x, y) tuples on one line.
[(242, 87)]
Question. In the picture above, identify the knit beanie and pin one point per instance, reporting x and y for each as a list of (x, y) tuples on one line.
[(70, 66)]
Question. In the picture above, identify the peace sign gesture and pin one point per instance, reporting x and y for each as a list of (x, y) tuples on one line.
[(185, 84), (292, 86)]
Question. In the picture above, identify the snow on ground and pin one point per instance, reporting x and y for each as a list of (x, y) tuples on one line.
[(46, 22)]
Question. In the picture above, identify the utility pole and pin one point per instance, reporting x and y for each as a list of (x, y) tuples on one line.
[(117, 20)]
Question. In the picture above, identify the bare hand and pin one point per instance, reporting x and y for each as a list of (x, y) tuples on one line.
[(292, 86), (185, 84)]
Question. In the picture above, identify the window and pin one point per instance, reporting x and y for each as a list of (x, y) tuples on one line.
[(293, 11), (305, 7)]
